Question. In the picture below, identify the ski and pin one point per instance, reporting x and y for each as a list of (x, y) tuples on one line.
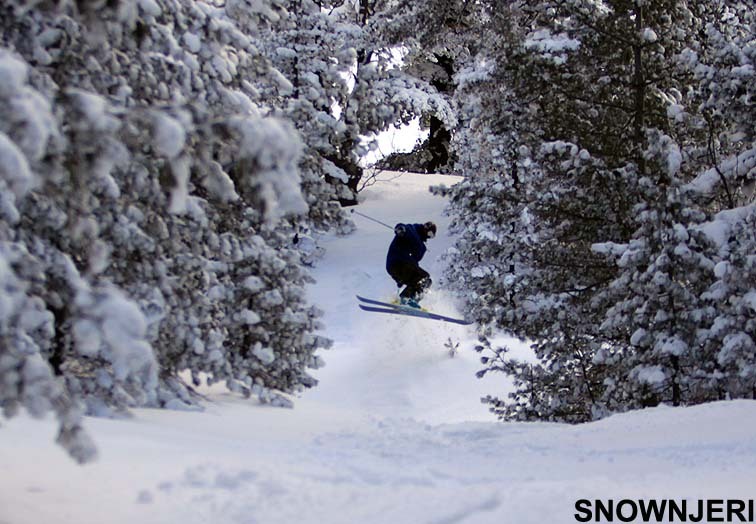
[(414, 313), (386, 307), (392, 305)]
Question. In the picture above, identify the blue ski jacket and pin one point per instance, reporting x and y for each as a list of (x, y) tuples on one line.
[(408, 245)]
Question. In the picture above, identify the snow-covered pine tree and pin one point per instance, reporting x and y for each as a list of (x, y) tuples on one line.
[(719, 104), (721, 107), (447, 43), (47, 301), (315, 56), (580, 146), (146, 184), (659, 307), (681, 287), (344, 87), (511, 278), (731, 336), (437, 37)]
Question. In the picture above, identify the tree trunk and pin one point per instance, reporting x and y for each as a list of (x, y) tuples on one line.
[(440, 137), (639, 84)]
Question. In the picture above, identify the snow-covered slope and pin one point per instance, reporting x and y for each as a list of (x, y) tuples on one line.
[(395, 366), (395, 433)]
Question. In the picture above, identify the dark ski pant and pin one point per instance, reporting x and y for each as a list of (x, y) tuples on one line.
[(411, 275)]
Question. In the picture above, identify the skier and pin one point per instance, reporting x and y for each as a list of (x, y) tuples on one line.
[(402, 261)]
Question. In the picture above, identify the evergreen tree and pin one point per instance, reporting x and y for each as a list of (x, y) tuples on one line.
[(345, 88), (438, 38), (147, 194), (579, 235), (658, 301), (731, 336), (721, 108)]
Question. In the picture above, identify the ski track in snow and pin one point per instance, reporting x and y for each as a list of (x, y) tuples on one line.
[(394, 433)]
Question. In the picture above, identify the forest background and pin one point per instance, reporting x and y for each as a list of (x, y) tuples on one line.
[(166, 168)]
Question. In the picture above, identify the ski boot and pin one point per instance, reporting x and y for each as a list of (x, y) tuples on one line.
[(411, 302)]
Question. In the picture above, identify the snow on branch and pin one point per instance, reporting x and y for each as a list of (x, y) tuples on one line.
[(550, 46), (742, 165)]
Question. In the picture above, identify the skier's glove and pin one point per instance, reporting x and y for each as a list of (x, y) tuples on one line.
[(399, 230)]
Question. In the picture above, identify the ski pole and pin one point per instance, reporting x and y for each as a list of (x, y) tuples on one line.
[(373, 219)]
